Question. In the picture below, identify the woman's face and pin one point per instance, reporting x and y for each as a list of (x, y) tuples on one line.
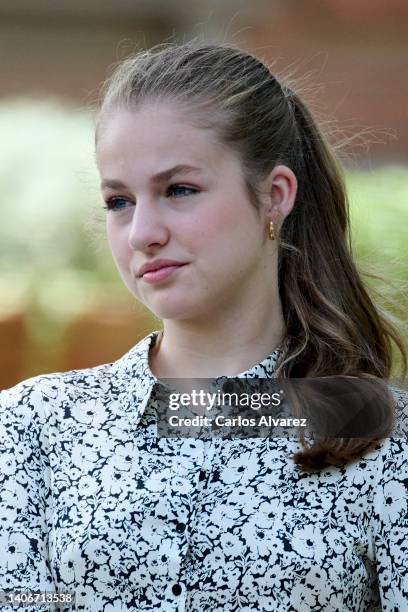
[(197, 213)]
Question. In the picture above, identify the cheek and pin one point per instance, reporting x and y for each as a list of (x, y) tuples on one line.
[(214, 225), (229, 226), (117, 244)]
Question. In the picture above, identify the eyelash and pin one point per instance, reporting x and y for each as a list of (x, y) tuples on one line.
[(110, 204)]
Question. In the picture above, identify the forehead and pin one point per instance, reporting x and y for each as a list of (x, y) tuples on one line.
[(155, 137)]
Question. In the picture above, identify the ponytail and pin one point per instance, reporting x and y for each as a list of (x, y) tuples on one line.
[(333, 326)]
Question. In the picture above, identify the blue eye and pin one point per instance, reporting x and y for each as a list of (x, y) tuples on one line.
[(116, 204), (175, 188)]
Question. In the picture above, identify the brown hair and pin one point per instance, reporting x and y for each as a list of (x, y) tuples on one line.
[(333, 328)]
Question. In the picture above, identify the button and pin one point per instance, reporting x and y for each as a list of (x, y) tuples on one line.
[(228, 386), (176, 588), (180, 528), (202, 475)]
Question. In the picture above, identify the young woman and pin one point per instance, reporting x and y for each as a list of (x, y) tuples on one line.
[(227, 217)]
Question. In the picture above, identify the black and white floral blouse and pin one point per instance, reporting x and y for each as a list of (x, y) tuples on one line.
[(93, 502)]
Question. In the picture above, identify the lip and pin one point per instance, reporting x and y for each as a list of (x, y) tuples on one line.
[(152, 266), (161, 274)]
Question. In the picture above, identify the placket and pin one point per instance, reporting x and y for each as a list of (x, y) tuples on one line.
[(190, 464), (182, 504)]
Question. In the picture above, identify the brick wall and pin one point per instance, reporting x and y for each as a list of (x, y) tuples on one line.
[(358, 52)]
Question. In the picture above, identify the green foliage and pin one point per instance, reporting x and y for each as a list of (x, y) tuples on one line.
[(379, 217), (52, 221)]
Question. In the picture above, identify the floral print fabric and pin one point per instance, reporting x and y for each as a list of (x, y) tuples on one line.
[(93, 502)]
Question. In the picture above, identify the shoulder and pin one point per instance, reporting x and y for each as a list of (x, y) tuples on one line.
[(392, 457), (393, 450), (400, 397), (26, 410), (36, 396)]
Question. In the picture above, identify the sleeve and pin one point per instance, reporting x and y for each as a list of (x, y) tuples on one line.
[(390, 526), (24, 494)]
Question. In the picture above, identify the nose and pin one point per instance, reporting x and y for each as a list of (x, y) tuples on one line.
[(147, 228)]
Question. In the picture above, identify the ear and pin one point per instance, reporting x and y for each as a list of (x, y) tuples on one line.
[(279, 189)]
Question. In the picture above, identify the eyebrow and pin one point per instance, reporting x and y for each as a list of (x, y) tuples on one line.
[(160, 177)]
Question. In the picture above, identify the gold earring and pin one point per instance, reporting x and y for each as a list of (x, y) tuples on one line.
[(271, 231)]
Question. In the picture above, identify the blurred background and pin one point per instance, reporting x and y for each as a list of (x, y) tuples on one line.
[(62, 304)]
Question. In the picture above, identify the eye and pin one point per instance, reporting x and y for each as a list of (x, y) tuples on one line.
[(179, 189), (117, 203)]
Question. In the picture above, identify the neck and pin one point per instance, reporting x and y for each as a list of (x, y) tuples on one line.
[(211, 348)]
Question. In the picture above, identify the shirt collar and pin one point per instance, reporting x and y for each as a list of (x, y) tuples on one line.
[(136, 379)]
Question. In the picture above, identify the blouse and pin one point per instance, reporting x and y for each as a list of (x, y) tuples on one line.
[(94, 502)]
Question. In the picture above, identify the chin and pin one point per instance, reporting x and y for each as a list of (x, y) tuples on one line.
[(174, 309)]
